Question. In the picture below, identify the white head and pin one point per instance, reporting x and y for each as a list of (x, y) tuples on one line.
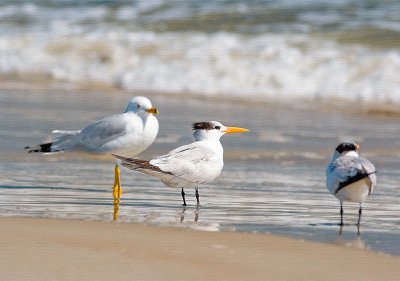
[(141, 105), (213, 130), (345, 148)]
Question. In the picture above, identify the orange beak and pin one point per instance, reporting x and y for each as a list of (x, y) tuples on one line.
[(231, 130), (357, 146), (153, 110)]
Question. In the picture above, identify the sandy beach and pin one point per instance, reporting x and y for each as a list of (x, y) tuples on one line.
[(301, 76), (47, 249)]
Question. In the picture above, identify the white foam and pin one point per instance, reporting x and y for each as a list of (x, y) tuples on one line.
[(259, 65)]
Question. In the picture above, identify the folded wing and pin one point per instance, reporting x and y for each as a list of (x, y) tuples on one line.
[(347, 170)]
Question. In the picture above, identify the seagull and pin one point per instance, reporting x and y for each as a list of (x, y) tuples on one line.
[(130, 132), (188, 165), (350, 177)]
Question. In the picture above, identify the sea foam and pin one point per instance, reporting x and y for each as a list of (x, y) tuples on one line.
[(169, 47), (261, 66)]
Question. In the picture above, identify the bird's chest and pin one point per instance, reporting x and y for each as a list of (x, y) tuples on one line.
[(209, 169)]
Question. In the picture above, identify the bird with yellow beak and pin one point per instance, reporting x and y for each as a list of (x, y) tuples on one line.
[(130, 132), (189, 165)]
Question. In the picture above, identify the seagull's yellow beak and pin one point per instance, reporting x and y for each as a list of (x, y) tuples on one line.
[(153, 110), (357, 147), (231, 130)]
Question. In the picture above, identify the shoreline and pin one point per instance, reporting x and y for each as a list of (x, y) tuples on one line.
[(49, 249), (346, 106)]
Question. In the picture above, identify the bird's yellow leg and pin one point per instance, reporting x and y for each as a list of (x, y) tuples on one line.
[(117, 183)]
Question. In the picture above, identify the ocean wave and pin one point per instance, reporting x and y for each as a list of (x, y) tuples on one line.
[(235, 49), (262, 66)]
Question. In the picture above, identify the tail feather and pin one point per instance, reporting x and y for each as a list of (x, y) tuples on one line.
[(138, 164), (44, 147), (66, 132), (359, 176)]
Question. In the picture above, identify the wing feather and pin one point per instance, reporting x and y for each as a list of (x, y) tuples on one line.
[(348, 169), (100, 136), (195, 162), (188, 165)]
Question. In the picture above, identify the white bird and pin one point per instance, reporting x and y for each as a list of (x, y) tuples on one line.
[(350, 177), (189, 165), (130, 132)]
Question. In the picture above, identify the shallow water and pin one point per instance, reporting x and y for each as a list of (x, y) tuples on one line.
[(272, 182)]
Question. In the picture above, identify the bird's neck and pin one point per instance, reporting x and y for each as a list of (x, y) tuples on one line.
[(200, 135), (347, 153), (352, 153), (214, 145)]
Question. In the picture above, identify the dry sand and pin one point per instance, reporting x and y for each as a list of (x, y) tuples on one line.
[(46, 249)]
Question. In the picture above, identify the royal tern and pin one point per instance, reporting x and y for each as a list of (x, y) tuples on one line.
[(350, 177), (189, 165), (130, 132)]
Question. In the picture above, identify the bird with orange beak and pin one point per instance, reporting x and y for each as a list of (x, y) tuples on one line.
[(189, 165), (350, 177)]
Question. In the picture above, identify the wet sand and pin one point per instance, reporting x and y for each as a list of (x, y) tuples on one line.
[(45, 249), (272, 182)]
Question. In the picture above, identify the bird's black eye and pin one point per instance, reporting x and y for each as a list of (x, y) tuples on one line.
[(217, 127), (138, 105)]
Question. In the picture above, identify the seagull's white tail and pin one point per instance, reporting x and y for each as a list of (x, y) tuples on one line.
[(65, 132)]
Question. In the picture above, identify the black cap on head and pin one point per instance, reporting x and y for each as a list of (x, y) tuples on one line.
[(203, 126), (347, 146)]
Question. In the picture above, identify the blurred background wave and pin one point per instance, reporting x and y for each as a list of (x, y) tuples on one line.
[(282, 49)]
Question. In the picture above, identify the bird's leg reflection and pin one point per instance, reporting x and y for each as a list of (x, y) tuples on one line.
[(116, 208), (182, 214), (358, 230), (196, 212), (117, 192), (340, 230), (348, 241)]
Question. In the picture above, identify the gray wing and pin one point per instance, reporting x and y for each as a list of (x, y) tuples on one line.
[(185, 166), (95, 136), (145, 167), (192, 162), (346, 170)]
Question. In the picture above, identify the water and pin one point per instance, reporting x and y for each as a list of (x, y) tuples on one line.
[(272, 182), (310, 49)]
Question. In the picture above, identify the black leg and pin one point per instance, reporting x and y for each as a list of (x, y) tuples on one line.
[(197, 196), (183, 197), (359, 215), (341, 213)]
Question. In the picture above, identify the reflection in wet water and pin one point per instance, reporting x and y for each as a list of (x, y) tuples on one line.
[(247, 197), (196, 212), (116, 208), (353, 241), (268, 185)]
